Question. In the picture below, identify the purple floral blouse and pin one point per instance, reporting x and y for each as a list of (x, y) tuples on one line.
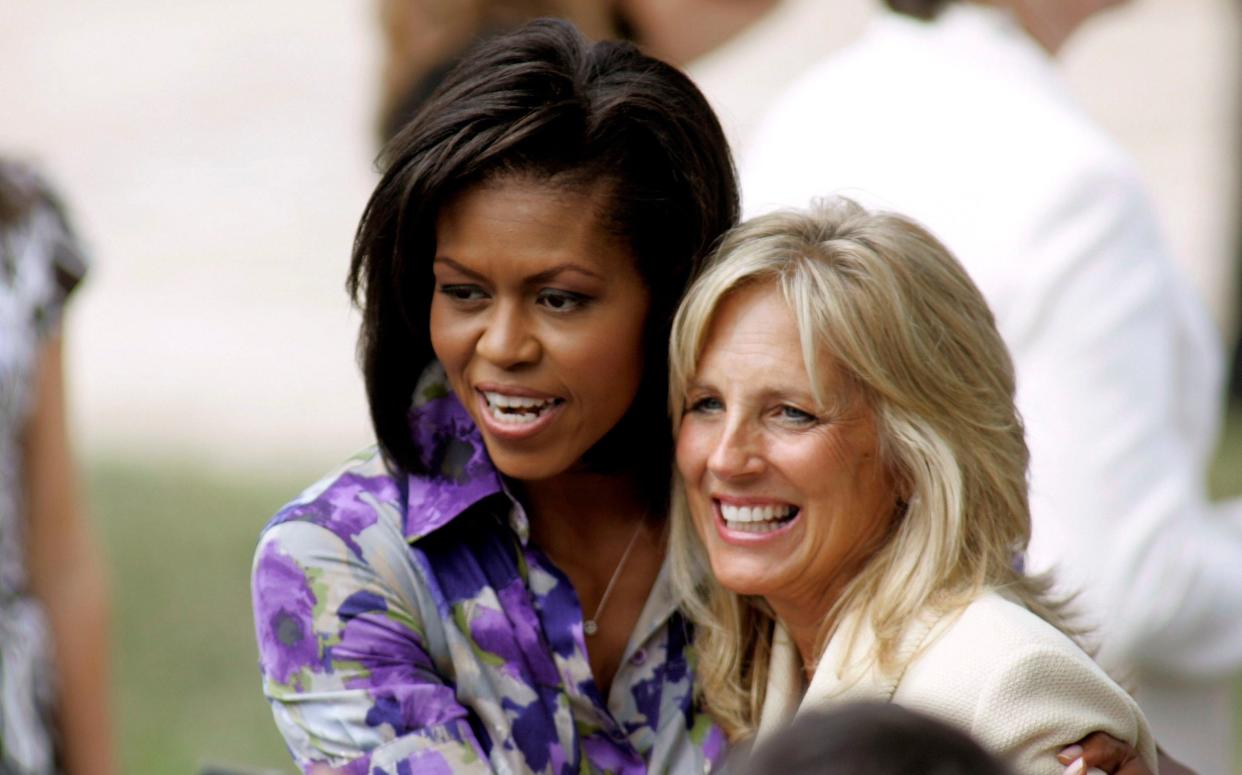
[(406, 624)]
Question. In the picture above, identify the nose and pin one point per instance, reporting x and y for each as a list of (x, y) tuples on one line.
[(507, 341), (737, 452)]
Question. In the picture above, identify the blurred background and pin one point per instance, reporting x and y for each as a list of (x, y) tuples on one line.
[(215, 157)]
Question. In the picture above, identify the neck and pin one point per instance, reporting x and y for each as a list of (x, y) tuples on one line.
[(577, 511), (805, 620)]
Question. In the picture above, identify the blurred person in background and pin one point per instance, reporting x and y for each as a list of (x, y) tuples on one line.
[(742, 53), (54, 697), (953, 113), (423, 39), (868, 738)]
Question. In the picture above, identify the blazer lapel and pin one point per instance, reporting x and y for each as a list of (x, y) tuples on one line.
[(846, 672)]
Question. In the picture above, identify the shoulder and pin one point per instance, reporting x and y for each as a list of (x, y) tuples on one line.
[(27, 198), (361, 497), (330, 563), (339, 542), (41, 258), (1021, 686), (988, 638)]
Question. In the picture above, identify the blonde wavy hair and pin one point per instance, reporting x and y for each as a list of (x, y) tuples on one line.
[(901, 317)]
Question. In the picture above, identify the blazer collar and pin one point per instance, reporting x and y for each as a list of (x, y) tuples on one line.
[(844, 673)]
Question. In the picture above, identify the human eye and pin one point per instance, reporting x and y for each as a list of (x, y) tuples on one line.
[(462, 292), (795, 416), (558, 300), (704, 405)]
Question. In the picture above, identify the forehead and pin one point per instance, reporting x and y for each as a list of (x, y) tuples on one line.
[(525, 221), (754, 342), (755, 319)]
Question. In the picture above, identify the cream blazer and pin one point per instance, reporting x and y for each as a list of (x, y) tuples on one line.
[(995, 670)]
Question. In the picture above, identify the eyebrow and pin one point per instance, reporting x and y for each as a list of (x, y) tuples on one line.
[(541, 277), (765, 393)]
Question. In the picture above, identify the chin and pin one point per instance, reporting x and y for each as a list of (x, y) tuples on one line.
[(741, 580), (528, 468)]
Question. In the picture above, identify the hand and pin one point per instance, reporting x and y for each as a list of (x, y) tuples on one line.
[(1102, 752)]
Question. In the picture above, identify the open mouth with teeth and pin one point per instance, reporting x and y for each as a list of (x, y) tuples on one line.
[(518, 410), (757, 519)]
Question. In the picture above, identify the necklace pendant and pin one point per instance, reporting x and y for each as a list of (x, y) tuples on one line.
[(590, 627)]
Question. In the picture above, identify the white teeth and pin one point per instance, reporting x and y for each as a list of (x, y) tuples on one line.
[(754, 514), (516, 410), (513, 418)]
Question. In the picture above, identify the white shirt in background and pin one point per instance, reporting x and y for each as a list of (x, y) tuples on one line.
[(965, 125)]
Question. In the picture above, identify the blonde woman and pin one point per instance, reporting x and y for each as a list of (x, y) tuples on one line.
[(853, 494)]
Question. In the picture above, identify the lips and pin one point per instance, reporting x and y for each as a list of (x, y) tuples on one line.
[(513, 413)]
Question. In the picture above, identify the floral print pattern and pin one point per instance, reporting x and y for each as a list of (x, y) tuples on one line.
[(407, 624)]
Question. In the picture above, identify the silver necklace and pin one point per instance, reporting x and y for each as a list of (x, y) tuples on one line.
[(591, 626)]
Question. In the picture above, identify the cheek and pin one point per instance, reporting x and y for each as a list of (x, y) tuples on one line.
[(452, 339), (441, 333), (610, 352), (602, 365), (691, 443)]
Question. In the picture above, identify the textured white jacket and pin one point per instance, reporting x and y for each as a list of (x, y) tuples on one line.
[(965, 125), (994, 670)]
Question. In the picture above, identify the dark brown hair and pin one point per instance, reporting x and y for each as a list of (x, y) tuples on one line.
[(920, 9), (544, 103), (870, 739)]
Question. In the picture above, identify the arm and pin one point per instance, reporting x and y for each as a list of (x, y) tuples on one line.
[(67, 576), (344, 663), (1041, 696), (1114, 386)]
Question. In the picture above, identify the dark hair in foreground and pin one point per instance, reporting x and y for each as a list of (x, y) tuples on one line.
[(919, 9), (544, 104), (870, 739)]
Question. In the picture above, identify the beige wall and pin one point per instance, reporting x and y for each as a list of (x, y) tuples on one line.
[(216, 155)]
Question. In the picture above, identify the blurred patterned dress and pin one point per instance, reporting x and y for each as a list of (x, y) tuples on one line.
[(40, 263), (409, 624)]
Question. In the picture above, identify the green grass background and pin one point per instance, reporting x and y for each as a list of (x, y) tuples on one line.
[(179, 543)]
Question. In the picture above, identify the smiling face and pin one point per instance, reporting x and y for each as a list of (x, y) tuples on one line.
[(789, 497), (538, 319)]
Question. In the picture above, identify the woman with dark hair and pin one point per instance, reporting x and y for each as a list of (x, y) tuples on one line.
[(485, 591)]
